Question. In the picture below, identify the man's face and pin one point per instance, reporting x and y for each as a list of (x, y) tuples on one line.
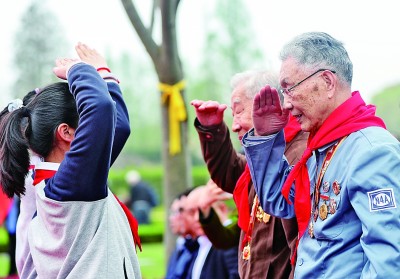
[(175, 218), (241, 107), (190, 216), (309, 102)]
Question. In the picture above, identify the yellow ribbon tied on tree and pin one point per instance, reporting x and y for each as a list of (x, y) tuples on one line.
[(176, 113)]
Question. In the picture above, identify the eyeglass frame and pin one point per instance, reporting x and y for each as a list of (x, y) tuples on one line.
[(290, 89)]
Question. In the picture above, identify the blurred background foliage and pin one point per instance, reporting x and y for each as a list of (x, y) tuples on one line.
[(387, 102)]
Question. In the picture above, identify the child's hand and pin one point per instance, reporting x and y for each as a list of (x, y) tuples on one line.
[(90, 56), (63, 65)]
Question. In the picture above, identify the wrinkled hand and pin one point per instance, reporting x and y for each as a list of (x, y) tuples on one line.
[(63, 65), (90, 56), (209, 113), (268, 115)]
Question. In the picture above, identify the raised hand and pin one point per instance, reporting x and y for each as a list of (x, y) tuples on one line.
[(63, 65), (268, 115), (205, 196), (209, 113), (90, 56), (212, 193)]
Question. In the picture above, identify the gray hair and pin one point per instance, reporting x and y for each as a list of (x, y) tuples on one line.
[(320, 50), (254, 81)]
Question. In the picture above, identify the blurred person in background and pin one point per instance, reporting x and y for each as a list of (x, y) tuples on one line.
[(196, 257), (221, 230), (181, 260), (142, 198)]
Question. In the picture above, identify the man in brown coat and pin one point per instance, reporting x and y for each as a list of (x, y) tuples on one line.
[(265, 241)]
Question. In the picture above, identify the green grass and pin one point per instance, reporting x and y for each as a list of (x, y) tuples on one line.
[(152, 260)]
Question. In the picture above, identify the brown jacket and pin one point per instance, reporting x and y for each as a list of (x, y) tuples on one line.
[(272, 242)]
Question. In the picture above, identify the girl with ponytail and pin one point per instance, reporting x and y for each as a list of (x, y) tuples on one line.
[(78, 128)]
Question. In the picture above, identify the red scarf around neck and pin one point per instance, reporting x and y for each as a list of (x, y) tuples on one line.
[(41, 174), (351, 116), (241, 192)]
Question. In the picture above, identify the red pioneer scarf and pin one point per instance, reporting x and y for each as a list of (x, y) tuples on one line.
[(241, 192), (241, 198), (41, 174), (351, 116)]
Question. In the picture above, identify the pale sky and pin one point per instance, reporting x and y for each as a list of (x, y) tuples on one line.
[(369, 30)]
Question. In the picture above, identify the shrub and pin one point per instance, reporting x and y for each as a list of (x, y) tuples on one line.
[(152, 175)]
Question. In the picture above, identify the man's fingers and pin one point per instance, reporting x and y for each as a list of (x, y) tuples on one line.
[(256, 102), (263, 96), (222, 107), (276, 101), (209, 106), (196, 103)]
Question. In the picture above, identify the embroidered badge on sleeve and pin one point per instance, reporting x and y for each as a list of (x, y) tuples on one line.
[(381, 199)]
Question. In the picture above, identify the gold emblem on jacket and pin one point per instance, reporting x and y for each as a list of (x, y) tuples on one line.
[(246, 252), (262, 216)]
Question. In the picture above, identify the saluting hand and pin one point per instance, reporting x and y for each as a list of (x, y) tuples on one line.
[(209, 113), (268, 115)]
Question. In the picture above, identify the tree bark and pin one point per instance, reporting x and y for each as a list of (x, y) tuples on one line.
[(165, 57)]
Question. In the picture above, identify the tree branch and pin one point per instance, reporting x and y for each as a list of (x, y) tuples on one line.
[(143, 33), (156, 4)]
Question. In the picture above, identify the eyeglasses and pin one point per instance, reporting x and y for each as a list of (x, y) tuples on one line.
[(290, 89)]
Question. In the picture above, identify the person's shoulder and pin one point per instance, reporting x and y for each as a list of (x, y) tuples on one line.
[(376, 137), (372, 144)]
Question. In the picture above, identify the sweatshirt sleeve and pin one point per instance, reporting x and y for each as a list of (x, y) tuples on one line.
[(82, 175), (122, 128)]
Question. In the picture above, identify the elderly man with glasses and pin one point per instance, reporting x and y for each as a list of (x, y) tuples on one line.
[(344, 189)]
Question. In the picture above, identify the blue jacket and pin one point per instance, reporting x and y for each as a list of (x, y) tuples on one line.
[(360, 238)]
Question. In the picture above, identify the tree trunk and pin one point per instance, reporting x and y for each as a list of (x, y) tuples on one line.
[(177, 167)]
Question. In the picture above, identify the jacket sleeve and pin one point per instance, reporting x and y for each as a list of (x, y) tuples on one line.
[(224, 164), (269, 169), (220, 236)]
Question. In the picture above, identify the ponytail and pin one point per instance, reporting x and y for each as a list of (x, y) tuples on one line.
[(32, 127), (14, 153)]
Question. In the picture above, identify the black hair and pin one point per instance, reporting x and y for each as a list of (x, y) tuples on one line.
[(32, 127), (27, 98), (185, 193)]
